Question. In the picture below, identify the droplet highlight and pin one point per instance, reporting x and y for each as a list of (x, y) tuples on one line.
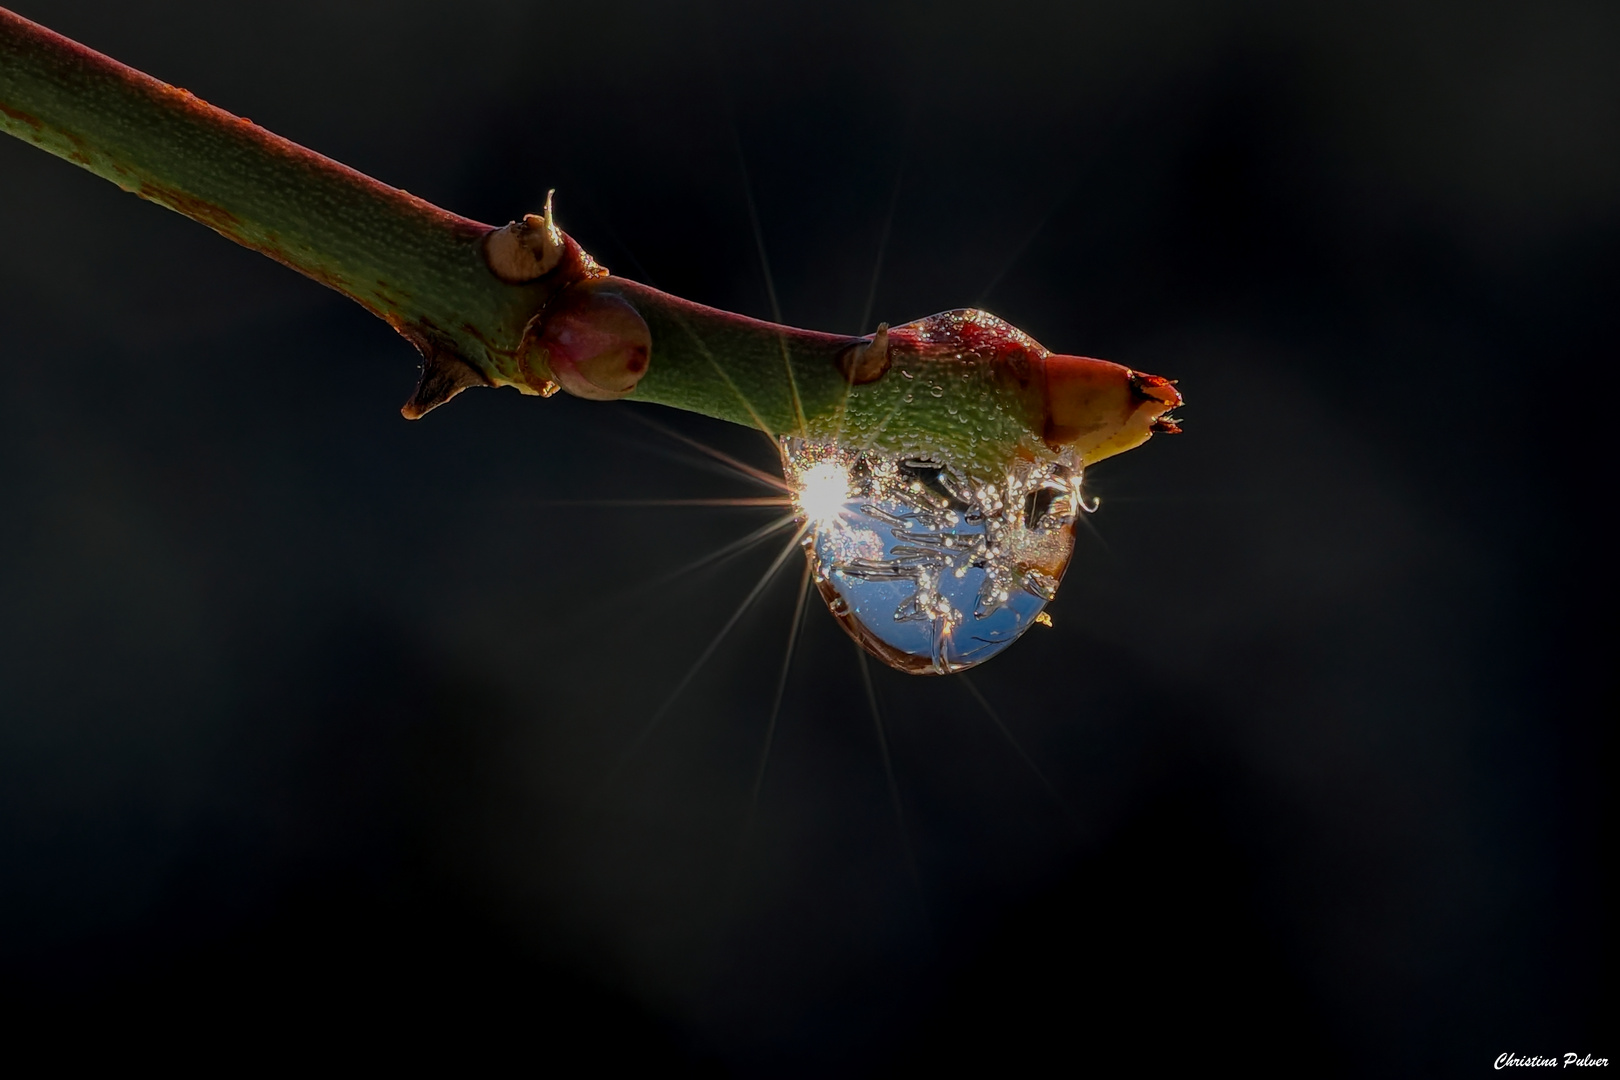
[(933, 568)]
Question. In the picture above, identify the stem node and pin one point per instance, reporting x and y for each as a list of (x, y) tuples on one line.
[(866, 361)]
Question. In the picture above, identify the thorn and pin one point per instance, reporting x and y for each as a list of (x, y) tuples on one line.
[(444, 375), (866, 361), (524, 250)]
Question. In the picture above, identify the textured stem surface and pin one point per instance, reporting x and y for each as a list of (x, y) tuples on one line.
[(404, 259), (421, 268), (525, 306)]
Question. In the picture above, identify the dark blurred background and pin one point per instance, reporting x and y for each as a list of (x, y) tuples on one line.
[(314, 721)]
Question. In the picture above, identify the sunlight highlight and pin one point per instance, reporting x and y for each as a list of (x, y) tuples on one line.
[(822, 491)]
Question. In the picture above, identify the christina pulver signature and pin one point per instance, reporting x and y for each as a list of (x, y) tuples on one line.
[(1504, 1061)]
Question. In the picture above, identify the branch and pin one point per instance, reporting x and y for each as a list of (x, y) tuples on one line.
[(525, 306)]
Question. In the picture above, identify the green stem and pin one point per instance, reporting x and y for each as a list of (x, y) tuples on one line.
[(402, 258), (736, 368), (525, 306), (409, 262)]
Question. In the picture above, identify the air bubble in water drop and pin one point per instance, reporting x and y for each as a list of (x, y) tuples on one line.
[(931, 568)]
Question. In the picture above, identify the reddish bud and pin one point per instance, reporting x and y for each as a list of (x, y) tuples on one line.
[(1101, 408), (592, 343)]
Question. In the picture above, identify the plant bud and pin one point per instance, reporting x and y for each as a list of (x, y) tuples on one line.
[(592, 343), (1102, 409)]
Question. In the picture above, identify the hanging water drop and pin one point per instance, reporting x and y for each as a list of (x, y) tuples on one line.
[(933, 567), (937, 544)]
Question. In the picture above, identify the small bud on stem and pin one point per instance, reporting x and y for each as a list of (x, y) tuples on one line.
[(591, 343), (524, 250), (1102, 408), (866, 361)]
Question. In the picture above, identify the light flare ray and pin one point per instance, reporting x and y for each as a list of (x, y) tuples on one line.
[(703, 658), (726, 551), (770, 737), (770, 280), (761, 501), (894, 791), (742, 467), (1051, 789)]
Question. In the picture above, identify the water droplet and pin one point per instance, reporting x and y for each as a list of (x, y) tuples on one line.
[(907, 397), (930, 567), (907, 374), (937, 391)]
